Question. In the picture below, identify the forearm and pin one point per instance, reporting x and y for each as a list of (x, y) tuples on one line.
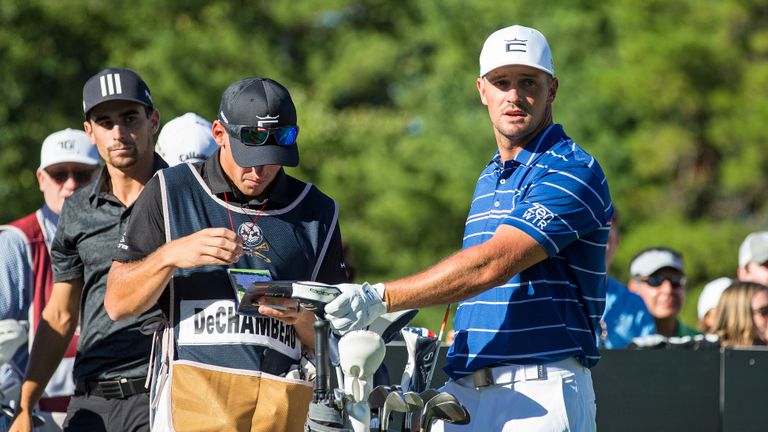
[(53, 335), (134, 287), (466, 273)]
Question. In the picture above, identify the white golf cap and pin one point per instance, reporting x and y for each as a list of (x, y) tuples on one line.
[(653, 260), (711, 293), (516, 45), (754, 249), (187, 138), (68, 145)]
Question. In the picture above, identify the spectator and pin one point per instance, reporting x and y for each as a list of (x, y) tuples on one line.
[(68, 161), (733, 316), (760, 314), (186, 138), (753, 258), (626, 316), (707, 303), (658, 277)]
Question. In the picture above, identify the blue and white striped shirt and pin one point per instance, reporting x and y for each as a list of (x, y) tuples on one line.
[(556, 193)]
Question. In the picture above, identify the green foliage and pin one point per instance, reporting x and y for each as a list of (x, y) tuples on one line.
[(670, 96)]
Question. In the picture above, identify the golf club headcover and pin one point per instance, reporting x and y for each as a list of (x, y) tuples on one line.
[(360, 354)]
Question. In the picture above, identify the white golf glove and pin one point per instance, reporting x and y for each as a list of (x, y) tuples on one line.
[(356, 306)]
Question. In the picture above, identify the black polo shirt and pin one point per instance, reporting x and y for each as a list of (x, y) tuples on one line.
[(90, 226), (147, 232)]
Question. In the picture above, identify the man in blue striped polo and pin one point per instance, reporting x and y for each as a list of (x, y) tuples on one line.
[(530, 279)]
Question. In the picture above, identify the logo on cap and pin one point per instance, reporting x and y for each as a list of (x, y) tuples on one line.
[(110, 84), (263, 121), (514, 43)]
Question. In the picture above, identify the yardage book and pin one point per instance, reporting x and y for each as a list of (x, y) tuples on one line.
[(249, 285), (244, 282)]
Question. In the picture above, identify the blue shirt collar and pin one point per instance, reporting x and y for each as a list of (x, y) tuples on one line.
[(539, 145)]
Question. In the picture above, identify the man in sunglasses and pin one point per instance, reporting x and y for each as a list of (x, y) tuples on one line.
[(753, 267), (111, 363), (68, 161), (237, 209), (658, 277)]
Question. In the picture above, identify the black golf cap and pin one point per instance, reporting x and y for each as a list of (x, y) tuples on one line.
[(259, 102), (115, 84)]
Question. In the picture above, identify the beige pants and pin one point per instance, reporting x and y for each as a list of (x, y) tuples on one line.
[(214, 400)]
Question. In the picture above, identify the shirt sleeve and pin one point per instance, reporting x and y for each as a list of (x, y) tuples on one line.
[(560, 207), (333, 270), (145, 230), (65, 259), (15, 276)]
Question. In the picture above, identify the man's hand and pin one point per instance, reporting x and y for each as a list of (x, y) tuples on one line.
[(22, 422), (285, 309), (356, 306), (210, 246)]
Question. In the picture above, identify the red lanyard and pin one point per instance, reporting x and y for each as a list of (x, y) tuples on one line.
[(253, 220)]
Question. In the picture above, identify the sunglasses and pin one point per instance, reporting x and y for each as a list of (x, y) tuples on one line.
[(253, 135), (763, 311), (656, 281), (62, 175)]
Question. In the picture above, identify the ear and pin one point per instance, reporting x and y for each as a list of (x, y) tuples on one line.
[(155, 119), (554, 85), (633, 286), (217, 129), (742, 273), (481, 89), (40, 179), (89, 130)]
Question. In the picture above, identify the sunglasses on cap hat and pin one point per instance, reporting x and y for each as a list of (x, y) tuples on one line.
[(254, 135), (62, 175), (656, 280)]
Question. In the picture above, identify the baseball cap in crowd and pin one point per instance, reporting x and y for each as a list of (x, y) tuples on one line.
[(187, 138), (711, 293), (652, 260), (68, 145), (754, 249), (115, 84), (516, 45), (260, 118)]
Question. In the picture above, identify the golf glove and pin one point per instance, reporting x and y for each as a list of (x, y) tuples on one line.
[(356, 306)]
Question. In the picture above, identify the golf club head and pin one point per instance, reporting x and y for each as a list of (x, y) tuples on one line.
[(428, 394), (445, 407), (389, 324), (394, 402), (414, 401), (378, 396)]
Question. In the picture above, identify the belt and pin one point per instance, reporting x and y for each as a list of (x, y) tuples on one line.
[(505, 375), (117, 388), (508, 374)]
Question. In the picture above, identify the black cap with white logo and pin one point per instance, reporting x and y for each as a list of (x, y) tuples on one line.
[(263, 103), (115, 84)]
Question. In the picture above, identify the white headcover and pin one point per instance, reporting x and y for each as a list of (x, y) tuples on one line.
[(360, 354)]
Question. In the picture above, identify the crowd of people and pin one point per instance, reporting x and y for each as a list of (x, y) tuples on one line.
[(122, 273)]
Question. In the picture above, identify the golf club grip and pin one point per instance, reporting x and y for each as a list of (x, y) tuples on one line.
[(323, 368)]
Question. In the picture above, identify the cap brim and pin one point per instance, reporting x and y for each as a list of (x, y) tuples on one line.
[(115, 98), (267, 154), (81, 160)]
